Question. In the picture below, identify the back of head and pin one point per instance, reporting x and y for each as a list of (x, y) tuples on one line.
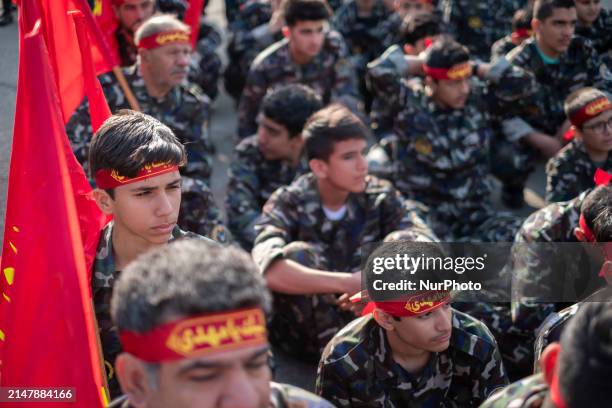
[(419, 26), (305, 10), (543, 9), (183, 279), (521, 20), (329, 126), (128, 140), (290, 106), (160, 23), (597, 211), (585, 360), (446, 54)]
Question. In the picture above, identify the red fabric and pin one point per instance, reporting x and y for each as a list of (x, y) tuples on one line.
[(414, 305), (459, 71), (588, 234), (107, 21), (48, 336), (520, 35), (590, 111), (192, 19), (107, 179), (164, 38), (602, 177), (570, 134)]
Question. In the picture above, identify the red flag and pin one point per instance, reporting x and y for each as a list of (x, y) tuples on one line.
[(192, 19), (107, 21), (47, 327)]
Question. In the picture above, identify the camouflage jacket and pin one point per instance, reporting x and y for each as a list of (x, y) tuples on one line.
[(600, 32), (571, 172), (294, 213), (330, 74), (580, 66), (364, 36), (281, 396), (185, 110), (501, 47), (252, 180), (478, 24), (530, 392), (357, 369)]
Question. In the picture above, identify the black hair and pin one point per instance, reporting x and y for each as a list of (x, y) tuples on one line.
[(290, 106), (129, 140), (585, 360), (305, 10), (446, 53), (597, 211), (329, 126), (542, 9), (416, 27), (182, 279), (580, 98), (522, 19)]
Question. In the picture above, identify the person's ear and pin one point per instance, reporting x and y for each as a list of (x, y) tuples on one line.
[(535, 24), (318, 167), (286, 32), (431, 83), (134, 380), (548, 361), (384, 319), (104, 201), (409, 49), (579, 234)]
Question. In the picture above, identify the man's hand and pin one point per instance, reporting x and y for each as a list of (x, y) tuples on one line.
[(547, 145), (277, 21)]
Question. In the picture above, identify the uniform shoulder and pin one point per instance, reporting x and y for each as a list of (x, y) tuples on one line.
[(248, 146), (290, 396), (268, 54), (349, 344), (529, 392), (375, 185), (334, 40), (472, 337), (523, 52)]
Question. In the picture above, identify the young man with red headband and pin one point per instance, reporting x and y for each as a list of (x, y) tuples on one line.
[(134, 160), (158, 81), (571, 171), (192, 321), (411, 348), (575, 372), (521, 31)]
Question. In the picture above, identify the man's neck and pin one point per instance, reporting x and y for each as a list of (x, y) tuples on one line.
[(297, 56), (154, 90), (411, 359), (596, 155), (126, 247), (331, 197), (546, 51)]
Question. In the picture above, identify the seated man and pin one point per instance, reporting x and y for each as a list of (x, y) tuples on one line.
[(571, 171), (521, 30), (411, 351), (309, 54), (595, 23), (157, 81), (135, 161), (270, 159), (402, 9), (168, 294), (311, 232), (576, 371)]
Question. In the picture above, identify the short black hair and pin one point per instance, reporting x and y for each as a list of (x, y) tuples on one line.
[(329, 126), (305, 10), (446, 53), (585, 361), (522, 19), (416, 27), (580, 98), (129, 140), (185, 278), (597, 211), (542, 9), (290, 106)]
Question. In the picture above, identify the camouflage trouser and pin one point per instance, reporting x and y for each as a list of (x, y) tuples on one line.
[(512, 162), (489, 226), (302, 325)]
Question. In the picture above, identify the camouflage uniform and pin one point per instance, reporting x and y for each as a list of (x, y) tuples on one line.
[(530, 392), (330, 74), (205, 67), (600, 34), (357, 369), (501, 47), (185, 110), (478, 24), (103, 279), (441, 158), (281, 396), (571, 172), (294, 226), (252, 180), (126, 47)]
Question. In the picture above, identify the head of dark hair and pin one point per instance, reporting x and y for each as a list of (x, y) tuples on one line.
[(290, 106), (522, 18), (446, 53), (416, 27), (543, 9), (305, 10), (580, 98), (329, 126), (129, 140), (585, 360), (597, 211), (183, 279)]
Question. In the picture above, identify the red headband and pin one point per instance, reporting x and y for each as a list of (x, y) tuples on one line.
[(459, 71), (164, 38), (590, 111), (415, 305), (107, 179), (521, 34), (197, 336)]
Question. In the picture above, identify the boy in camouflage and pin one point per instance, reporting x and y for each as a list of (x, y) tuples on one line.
[(270, 159), (521, 30), (571, 171), (411, 348), (311, 232), (188, 287)]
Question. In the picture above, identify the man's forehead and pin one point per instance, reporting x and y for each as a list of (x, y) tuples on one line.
[(310, 24), (155, 181), (225, 358), (349, 145), (137, 2)]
